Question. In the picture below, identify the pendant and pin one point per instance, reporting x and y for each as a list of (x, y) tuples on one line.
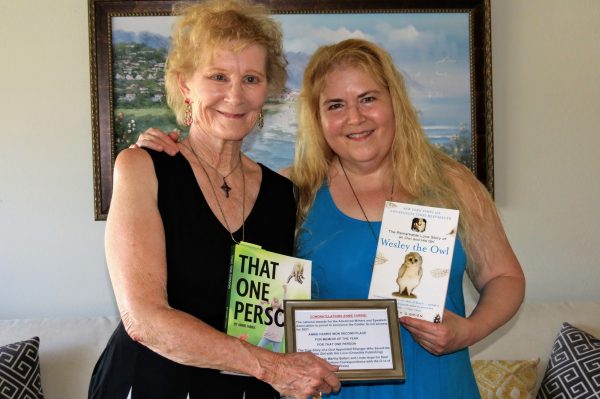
[(226, 189)]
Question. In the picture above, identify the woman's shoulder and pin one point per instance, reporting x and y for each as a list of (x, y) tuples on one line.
[(146, 163), (133, 174), (286, 172), (273, 177), (466, 184), (277, 185), (142, 154), (132, 160)]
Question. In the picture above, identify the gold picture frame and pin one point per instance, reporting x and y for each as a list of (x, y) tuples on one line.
[(344, 327), (475, 147)]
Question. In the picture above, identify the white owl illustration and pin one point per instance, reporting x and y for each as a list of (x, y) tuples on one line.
[(409, 274)]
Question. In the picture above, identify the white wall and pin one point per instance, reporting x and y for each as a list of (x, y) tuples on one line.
[(51, 249), (546, 76)]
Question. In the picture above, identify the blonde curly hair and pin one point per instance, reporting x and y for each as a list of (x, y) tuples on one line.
[(202, 28)]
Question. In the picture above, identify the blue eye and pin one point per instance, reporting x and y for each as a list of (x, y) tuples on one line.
[(218, 77)]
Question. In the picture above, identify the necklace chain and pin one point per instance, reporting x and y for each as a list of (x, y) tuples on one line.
[(191, 148), (225, 187), (358, 201)]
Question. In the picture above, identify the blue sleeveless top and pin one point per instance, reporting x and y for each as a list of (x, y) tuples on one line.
[(342, 250)]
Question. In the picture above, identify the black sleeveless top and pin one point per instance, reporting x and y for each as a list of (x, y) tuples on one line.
[(198, 251)]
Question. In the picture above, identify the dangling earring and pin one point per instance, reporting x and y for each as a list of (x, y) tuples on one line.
[(261, 120), (187, 115)]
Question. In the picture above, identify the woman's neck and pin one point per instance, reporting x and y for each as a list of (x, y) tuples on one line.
[(363, 176), (222, 155), (372, 187)]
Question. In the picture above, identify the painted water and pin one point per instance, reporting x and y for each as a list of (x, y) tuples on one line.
[(273, 145), (432, 51)]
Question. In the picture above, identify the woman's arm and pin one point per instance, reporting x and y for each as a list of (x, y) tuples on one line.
[(135, 252), (497, 273), (497, 276)]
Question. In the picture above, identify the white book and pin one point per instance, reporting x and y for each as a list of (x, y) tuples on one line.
[(414, 256)]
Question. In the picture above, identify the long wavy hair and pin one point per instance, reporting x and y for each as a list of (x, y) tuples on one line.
[(201, 28), (420, 168)]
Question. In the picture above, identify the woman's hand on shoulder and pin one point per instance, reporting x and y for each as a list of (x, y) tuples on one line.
[(301, 375), (451, 335), (157, 140)]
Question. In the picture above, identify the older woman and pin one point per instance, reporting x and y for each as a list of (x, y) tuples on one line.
[(173, 220), (359, 144)]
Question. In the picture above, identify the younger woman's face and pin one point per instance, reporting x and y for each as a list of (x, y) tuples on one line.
[(357, 116)]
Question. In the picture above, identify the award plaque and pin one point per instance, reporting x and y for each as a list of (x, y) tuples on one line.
[(362, 337)]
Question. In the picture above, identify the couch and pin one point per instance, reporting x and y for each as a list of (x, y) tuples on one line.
[(531, 333), (69, 348)]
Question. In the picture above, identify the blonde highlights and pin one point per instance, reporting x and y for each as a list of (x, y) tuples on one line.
[(202, 27), (422, 170)]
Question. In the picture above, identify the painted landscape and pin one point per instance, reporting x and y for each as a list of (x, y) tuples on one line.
[(431, 50)]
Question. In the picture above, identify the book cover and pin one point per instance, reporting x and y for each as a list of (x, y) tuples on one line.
[(414, 256), (259, 282)]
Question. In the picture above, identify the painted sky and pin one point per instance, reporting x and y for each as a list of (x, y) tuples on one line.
[(431, 50), (159, 25)]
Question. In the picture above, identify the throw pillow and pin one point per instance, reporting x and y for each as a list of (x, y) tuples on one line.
[(506, 379), (20, 370), (574, 367)]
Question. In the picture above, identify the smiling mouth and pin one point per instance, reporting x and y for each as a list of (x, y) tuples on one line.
[(360, 135), (231, 116)]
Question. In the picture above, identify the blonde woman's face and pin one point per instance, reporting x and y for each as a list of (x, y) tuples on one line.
[(357, 117), (228, 92)]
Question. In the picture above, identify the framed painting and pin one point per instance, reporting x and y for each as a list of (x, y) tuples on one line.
[(443, 50)]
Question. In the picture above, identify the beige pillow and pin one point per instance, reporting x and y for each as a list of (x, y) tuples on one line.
[(506, 379)]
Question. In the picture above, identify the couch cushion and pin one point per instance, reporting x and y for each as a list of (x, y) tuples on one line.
[(510, 379), (68, 351), (531, 333), (20, 370), (574, 367)]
